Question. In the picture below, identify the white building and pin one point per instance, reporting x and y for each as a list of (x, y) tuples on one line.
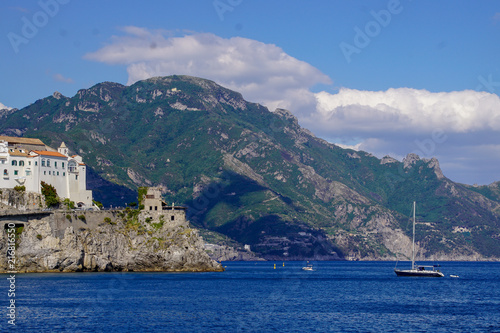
[(28, 162)]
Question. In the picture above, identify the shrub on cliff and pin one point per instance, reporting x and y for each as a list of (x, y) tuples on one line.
[(50, 194), (20, 188), (69, 204), (142, 191)]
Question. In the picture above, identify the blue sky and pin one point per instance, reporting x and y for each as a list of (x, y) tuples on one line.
[(383, 76)]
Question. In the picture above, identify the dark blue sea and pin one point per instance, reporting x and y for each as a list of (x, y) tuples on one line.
[(255, 297)]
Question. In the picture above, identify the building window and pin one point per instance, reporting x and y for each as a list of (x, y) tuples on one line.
[(63, 165), (55, 164), (48, 163), (29, 162), (72, 166), (36, 163), (64, 174), (5, 172), (14, 163), (43, 162), (76, 177), (16, 172), (49, 172), (58, 173), (28, 172), (45, 172), (21, 163), (172, 217)]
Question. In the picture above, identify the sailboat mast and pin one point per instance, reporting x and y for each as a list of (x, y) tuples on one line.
[(413, 248)]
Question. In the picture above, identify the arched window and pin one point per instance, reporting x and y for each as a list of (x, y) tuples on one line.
[(72, 167), (21, 163), (14, 163), (43, 162)]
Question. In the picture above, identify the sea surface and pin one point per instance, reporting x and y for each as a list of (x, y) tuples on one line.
[(256, 297)]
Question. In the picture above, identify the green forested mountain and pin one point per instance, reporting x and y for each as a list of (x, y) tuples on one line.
[(257, 177)]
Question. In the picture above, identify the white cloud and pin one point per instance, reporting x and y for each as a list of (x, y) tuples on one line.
[(61, 78), (262, 72), (408, 110), (2, 107)]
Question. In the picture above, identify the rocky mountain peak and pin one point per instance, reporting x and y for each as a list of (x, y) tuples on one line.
[(434, 164), (387, 159), (410, 160), (287, 115), (57, 95)]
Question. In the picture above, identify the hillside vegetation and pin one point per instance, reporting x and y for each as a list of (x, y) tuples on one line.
[(259, 178)]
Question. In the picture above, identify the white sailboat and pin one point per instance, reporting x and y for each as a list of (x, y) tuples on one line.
[(418, 270)]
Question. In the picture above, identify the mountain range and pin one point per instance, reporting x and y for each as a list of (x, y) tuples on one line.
[(254, 177)]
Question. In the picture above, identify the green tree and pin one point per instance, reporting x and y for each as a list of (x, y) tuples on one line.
[(50, 194)]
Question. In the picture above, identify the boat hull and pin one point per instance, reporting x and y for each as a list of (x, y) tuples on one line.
[(414, 272)]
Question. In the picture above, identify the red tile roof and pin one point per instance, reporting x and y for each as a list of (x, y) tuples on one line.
[(49, 153)]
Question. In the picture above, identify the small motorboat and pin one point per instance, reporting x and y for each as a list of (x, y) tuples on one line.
[(308, 267)]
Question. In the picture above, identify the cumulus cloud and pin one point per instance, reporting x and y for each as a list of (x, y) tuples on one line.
[(262, 72), (62, 78), (2, 107), (408, 110)]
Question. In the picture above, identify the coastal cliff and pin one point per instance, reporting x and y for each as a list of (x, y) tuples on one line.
[(128, 240)]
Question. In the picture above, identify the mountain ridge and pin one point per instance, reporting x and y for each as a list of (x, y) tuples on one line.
[(259, 178)]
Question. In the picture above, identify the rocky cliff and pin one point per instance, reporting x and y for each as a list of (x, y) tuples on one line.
[(12, 200), (104, 241)]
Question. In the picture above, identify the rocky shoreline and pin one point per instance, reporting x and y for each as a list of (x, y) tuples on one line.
[(103, 242)]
